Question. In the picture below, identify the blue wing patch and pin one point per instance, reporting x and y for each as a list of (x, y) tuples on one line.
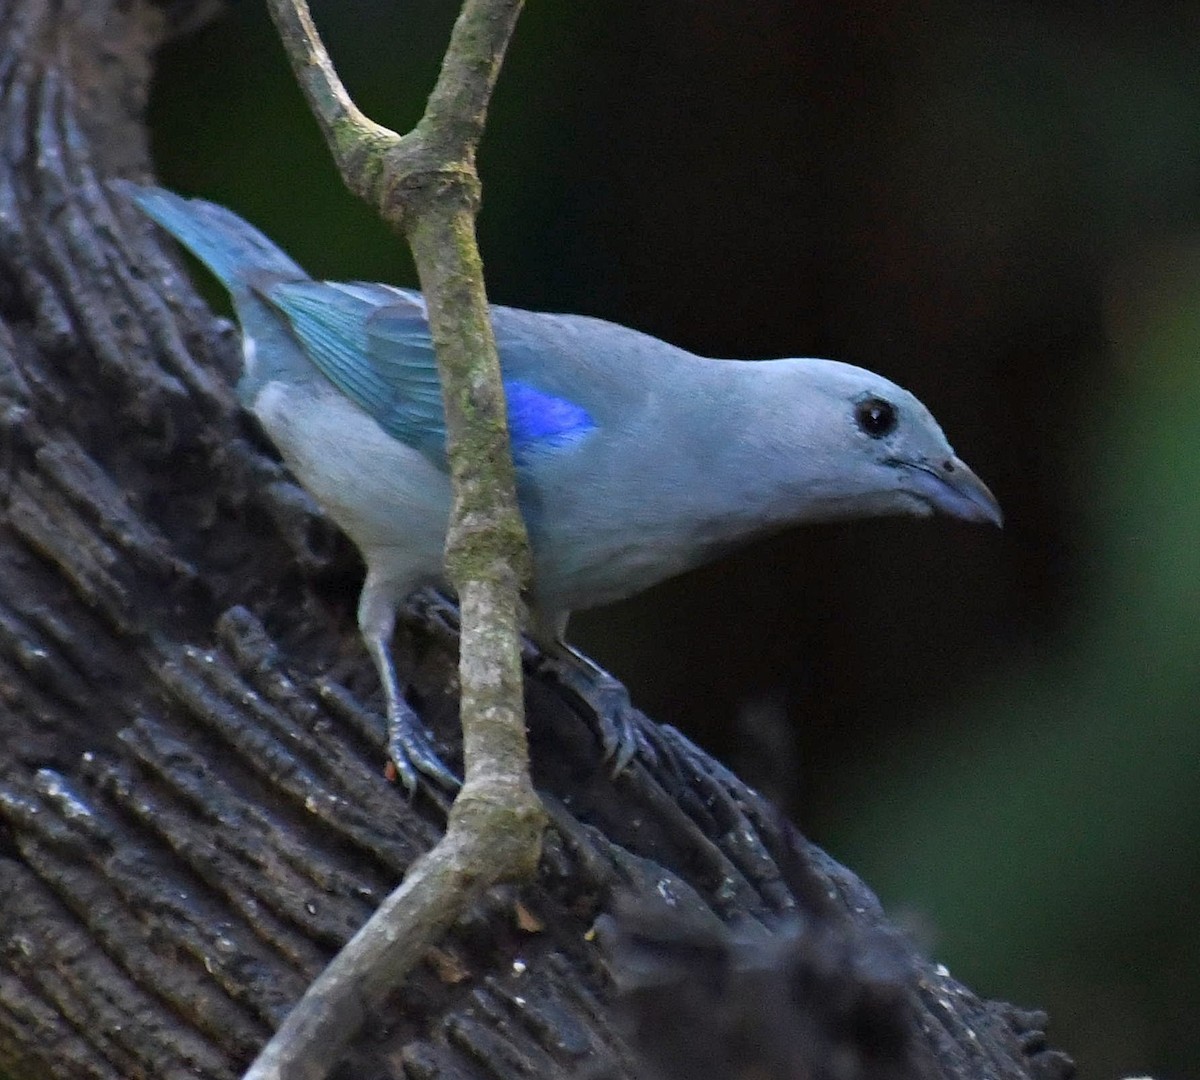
[(536, 419), (375, 347)]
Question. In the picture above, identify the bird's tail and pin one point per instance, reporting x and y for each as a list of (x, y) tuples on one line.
[(233, 249)]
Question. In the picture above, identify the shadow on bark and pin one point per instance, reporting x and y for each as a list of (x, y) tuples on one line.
[(192, 812)]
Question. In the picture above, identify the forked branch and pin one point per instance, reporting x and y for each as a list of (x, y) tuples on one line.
[(425, 185)]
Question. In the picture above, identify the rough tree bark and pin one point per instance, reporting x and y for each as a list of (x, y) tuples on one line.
[(192, 811)]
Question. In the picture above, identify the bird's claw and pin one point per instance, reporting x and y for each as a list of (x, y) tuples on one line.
[(618, 724), (411, 753)]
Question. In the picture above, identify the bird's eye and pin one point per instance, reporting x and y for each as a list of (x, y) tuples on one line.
[(875, 417)]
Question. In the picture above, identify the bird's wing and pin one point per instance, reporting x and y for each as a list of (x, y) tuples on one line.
[(373, 343), (331, 322)]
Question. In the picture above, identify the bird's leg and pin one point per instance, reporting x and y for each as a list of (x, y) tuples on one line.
[(409, 748), (618, 723)]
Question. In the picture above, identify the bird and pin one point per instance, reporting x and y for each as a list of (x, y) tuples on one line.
[(635, 459)]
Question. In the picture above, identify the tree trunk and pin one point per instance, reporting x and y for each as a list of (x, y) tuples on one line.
[(193, 815)]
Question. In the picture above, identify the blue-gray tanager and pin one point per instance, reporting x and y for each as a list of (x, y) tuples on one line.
[(635, 459)]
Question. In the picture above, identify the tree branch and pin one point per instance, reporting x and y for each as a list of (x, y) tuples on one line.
[(425, 184)]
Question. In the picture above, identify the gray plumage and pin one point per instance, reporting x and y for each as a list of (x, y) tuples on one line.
[(635, 459)]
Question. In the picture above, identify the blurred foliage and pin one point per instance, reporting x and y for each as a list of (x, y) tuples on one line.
[(1066, 790), (994, 203)]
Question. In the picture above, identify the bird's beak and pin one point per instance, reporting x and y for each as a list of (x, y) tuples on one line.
[(953, 489)]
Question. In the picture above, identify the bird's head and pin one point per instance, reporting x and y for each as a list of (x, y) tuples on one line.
[(876, 450)]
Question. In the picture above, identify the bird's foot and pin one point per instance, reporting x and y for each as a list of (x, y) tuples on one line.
[(619, 726), (411, 753)]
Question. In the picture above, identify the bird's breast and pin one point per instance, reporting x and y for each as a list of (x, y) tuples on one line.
[(381, 492)]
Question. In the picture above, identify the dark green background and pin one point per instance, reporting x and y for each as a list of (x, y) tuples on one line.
[(995, 204)]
